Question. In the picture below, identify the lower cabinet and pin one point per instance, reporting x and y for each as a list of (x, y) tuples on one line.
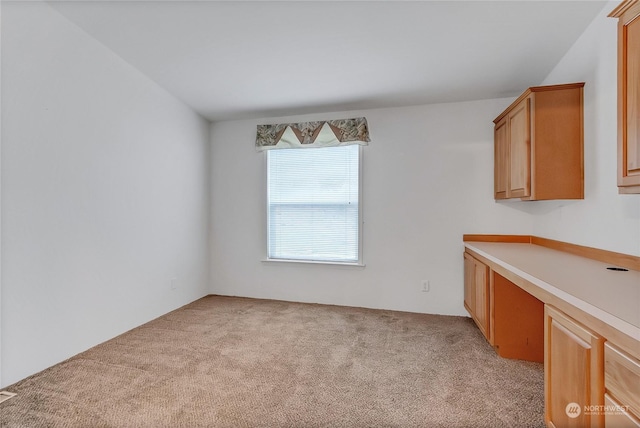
[(573, 373), (622, 386), (476, 292)]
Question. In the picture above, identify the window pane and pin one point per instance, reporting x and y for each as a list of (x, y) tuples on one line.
[(313, 204)]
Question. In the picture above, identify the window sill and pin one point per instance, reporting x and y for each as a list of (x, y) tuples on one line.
[(314, 262)]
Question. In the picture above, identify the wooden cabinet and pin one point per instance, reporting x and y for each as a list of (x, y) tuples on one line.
[(539, 145), (618, 417), (501, 154), (628, 14), (511, 319), (622, 385), (573, 374), (476, 292), (519, 160)]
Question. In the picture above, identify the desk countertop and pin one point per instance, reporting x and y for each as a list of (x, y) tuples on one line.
[(611, 296)]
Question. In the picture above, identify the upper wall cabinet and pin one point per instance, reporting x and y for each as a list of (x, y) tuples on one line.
[(539, 145), (628, 14)]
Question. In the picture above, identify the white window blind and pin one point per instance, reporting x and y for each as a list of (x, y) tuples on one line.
[(313, 204)]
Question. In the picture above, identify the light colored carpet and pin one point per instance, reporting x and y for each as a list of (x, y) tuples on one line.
[(236, 362)]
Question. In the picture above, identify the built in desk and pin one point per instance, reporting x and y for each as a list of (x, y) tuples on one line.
[(576, 309)]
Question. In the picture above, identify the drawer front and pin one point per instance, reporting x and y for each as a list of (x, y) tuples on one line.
[(617, 418), (622, 377)]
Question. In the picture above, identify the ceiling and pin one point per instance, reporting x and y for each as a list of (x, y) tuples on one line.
[(244, 59)]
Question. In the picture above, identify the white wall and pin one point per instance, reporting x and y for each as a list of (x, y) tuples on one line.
[(105, 185), (604, 219), (427, 180)]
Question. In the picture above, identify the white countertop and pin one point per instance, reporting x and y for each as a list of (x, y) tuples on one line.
[(611, 296)]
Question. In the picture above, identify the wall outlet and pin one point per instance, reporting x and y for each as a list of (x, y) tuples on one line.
[(174, 283), (425, 286)]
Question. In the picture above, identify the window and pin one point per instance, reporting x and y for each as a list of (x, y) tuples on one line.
[(313, 204)]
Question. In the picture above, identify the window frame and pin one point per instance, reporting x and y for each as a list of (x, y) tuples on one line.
[(265, 215)]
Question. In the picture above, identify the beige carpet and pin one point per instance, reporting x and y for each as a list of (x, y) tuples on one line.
[(235, 362)]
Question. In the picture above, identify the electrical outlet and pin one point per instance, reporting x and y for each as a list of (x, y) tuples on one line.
[(174, 283), (425, 286)]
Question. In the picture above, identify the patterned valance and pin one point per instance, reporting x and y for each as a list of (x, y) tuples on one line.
[(327, 133)]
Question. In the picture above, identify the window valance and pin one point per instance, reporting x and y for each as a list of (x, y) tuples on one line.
[(327, 133)]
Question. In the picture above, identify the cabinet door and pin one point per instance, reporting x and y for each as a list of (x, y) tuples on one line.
[(501, 160), (520, 150), (633, 99), (481, 272), (573, 372), (469, 284), (476, 292), (628, 96)]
